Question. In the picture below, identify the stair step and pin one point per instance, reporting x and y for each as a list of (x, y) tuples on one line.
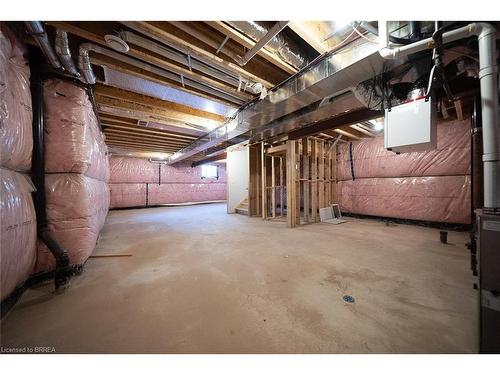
[(242, 211)]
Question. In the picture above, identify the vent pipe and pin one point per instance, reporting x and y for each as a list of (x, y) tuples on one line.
[(64, 54), (37, 31), (488, 79), (84, 63)]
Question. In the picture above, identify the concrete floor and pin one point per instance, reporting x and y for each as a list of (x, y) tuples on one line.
[(202, 281)]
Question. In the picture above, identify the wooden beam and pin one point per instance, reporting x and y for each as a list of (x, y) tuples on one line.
[(110, 136), (118, 132), (185, 112), (281, 149), (335, 122), (249, 43), (145, 130), (145, 111), (314, 180), (291, 176), (142, 146), (346, 133), (212, 159)]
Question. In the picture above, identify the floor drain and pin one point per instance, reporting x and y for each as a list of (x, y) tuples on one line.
[(348, 298)]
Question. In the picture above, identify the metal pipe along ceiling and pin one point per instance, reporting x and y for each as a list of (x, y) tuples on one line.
[(192, 62), (207, 58), (64, 54), (37, 31), (272, 33), (277, 45), (86, 69)]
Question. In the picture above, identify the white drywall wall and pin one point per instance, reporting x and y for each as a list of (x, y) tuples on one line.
[(237, 177)]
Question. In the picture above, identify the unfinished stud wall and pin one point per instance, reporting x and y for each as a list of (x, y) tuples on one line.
[(296, 180)]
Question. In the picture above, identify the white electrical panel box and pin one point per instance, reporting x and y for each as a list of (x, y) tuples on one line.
[(411, 126)]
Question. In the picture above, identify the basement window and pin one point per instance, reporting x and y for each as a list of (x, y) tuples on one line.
[(210, 171)]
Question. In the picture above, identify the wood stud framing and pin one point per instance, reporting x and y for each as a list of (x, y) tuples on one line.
[(303, 171)]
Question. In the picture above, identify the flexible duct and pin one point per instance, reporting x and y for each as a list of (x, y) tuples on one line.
[(37, 31), (64, 54), (488, 78), (278, 45)]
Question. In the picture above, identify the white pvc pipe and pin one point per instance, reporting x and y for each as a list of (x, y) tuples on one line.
[(488, 78)]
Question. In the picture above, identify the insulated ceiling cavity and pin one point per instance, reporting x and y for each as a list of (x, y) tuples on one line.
[(163, 92)]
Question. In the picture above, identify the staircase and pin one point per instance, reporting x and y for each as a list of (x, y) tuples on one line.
[(242, 207)]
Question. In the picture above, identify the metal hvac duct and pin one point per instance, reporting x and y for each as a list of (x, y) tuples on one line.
[(279, 45), (331, 75), (37, 31), (64, 54)]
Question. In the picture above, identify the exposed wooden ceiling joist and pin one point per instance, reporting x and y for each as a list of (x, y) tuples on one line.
[(140, 112), (118, 134), (249, 43), (143, 145), (154, 30), (152, 132), (95, 33), (139, 141), (110, 63), (174, 110), (346, 119), (346, 133)]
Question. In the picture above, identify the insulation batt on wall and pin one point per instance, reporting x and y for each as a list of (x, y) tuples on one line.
[(18, 230), (16, 115), (77, 171), (138, 182), (370, 159), (439, 199), (77, 207), (428, 186), (17, 212), (73, 139)]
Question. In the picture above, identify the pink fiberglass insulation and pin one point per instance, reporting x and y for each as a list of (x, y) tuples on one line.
[(185, 193), (77, 206), (370, 159), (184, 173), (127, 195), (18, 230), (132, 170), (16, 138), (73, 139), (439, 198)]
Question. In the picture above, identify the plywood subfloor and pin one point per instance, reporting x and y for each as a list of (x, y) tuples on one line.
[(202, 281)]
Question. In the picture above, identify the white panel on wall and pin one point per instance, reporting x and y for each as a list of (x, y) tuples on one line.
[(237, 177)]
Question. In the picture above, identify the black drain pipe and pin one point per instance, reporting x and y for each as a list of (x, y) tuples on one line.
[(63, 269)]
